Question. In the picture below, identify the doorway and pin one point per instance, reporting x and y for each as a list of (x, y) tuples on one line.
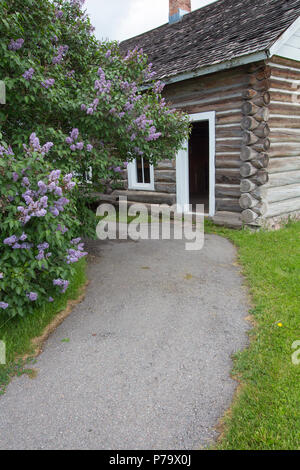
[(195, 166), (199, 165)]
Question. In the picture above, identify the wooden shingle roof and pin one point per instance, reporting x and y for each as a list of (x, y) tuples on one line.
[(221, 31)]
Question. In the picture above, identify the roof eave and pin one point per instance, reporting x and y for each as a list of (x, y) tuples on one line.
[(229, 64)]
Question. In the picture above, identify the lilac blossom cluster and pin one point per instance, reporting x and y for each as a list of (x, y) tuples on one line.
[(4, 151), (77, 3), (3, 305), (13, 241), (41, 254), (15, 45), (61, 283), (28, 74), (74, 145), (103, 86), (36, 147), (48, 83), (61, 52), (32, 296), (74, 254), (149, 74)]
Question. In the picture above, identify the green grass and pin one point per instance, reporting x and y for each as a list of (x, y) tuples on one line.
[(17, 333), (266, 411)]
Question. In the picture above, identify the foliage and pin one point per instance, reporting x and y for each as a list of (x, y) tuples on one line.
[(82, 95), (38, 223)]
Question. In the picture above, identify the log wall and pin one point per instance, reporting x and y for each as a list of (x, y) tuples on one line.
[(282, 192), (223, 93)]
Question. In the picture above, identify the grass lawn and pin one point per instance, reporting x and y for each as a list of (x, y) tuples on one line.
[(266, 410), (17, 333)]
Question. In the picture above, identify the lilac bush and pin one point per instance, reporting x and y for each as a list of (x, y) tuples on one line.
[(38, 243)]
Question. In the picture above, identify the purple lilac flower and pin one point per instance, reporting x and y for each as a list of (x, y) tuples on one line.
[(62, 50), (28, 74), (90, 111), (83, 107), (15, 176), (15, 45), (43, 246), (3, 305), (50, 299), (59, 13), (89, 147), (62, 283), (10, 240), (48, 83), (47, 147), (73, 147), (61, 229), (117, 169), (40, 256), (74, 134), (70, 74), (32, 296), (25, 181), (80, 145), (23, 237), (54, 175), (1, 275), (69, 140)]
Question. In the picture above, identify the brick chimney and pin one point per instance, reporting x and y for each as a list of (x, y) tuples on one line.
[(178, 8)]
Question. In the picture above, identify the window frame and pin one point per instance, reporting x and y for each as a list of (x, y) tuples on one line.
[(132, 178)]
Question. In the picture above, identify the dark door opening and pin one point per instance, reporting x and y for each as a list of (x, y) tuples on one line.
[(199, 165)]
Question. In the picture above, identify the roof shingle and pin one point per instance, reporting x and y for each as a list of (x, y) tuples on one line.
[(219, 32)]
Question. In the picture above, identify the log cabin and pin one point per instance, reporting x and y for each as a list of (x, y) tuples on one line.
[(234, 67)]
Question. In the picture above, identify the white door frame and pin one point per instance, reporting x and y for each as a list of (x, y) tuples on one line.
[(182, 166)]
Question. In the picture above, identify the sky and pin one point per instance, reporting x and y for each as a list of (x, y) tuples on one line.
[(123, 19)]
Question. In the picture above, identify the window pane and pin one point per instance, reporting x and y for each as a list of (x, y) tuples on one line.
[(139, 170), (146, 171)]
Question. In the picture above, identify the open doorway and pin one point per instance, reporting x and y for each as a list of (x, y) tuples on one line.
[(199, 165)]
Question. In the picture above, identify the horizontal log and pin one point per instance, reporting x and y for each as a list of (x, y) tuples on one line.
[(228, 176), (225, 190), (249, 123), (246, 186), (284, 150), (228, 132), (277, 194), (247, 201), (262, 131), (288, 109), (278, 165), (259, 85), (262, 114), (249, 108), (263, 99), (166, 165), (284, 85), (262, 146), (228, 118), (228, 204), (248, 153), (165, 176), (224, 106), (284, 178), (228, 145), (249, 94), (165, 187), (249, 216), (285, 62), (285, 73), (261, 162), (285, 97), (247, 170), (288, 135), (284, 121), (151, 197), (227, 161), (260, 178), (283, 207), (249, 138)]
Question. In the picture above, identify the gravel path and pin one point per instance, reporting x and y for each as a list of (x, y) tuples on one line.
[(149, 357)]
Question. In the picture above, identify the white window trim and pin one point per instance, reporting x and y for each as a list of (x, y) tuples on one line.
[(132, 178), (182, 166)]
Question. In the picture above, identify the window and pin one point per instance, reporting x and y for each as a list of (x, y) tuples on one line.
[(140, 174)]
